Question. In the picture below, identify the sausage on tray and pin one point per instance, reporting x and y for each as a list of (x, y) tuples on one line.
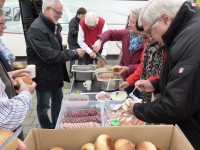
[(95, 118), (82, 113), (79, 125)]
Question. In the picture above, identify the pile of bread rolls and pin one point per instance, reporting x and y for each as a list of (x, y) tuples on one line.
[(105, 142)]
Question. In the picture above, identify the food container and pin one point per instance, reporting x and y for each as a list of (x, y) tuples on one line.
[(103, 96), (83, 72), (108, 81), (75, 107)]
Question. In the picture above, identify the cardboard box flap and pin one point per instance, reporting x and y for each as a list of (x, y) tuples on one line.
[(30, 140), (179, 140), (67, 139)]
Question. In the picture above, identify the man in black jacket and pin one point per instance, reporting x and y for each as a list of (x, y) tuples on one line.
[(176, 24), (44, 49), (73, 34)]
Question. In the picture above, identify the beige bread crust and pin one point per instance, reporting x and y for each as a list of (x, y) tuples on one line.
[(124, 144), (116, 68), (4, 135), (88, 146), (104, 142), (145, 145), (26, 79), (56, 148), (18, 65)]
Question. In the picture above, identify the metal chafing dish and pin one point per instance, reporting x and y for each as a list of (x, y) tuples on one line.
[(109, 81), (83, 72)]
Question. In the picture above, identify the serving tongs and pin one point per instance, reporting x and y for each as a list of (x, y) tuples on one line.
[(100, 57)]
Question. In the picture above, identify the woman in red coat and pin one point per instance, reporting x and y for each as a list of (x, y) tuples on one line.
[(152, 60)]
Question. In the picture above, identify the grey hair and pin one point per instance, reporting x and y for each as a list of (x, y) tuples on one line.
[(49, 3), (155, 8), (135, 11)]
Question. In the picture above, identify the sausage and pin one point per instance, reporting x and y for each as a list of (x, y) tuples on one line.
[(95, 118), (79, 125), (82, 113)]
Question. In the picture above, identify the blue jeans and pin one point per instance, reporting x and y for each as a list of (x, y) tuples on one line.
[(43, 101)]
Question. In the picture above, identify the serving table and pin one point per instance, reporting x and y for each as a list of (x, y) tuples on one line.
[(78, 85)]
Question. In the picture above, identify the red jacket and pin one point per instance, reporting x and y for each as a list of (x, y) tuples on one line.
[(136, 75), (130, 60)]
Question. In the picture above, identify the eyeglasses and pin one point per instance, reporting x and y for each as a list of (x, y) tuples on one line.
[(2, 23), (131, 22), (57, 12), (147, 34)]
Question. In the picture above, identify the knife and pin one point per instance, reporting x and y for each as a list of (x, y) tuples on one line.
[(99, 55)]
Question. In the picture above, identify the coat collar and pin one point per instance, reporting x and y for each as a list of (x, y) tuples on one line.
[(184, 14), (50, 24)]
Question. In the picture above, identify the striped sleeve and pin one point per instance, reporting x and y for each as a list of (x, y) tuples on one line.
[(13, 111)]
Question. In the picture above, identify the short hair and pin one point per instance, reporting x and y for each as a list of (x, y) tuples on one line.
[(154, 9), (91, 19), (135, 11), (81, 10), (49, 3)]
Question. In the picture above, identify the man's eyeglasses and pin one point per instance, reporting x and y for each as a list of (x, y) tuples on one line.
[(147, 34), (57, 12)]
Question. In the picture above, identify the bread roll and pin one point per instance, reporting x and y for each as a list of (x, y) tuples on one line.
[(56, 148), (104, 142), (124, 144), (116, 69), (145, 145), (26, 79), (4, 135), (18, 65), (88, 146)]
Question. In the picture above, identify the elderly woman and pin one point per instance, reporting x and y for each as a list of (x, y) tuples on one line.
[(6, 56), (152, 60), (132, 45)]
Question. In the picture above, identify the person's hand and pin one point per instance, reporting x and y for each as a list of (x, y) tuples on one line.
[(100, 62), (25, 87), (124, 85), (97, 45), (144, 86), (128, 106), (123, 69), (80, 52), (18, 73), (93, 55), (21, 145)]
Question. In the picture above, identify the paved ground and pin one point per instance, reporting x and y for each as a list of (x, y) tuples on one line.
[(31, 120)]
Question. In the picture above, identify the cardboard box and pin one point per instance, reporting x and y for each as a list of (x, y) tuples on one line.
[(167, 137)]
